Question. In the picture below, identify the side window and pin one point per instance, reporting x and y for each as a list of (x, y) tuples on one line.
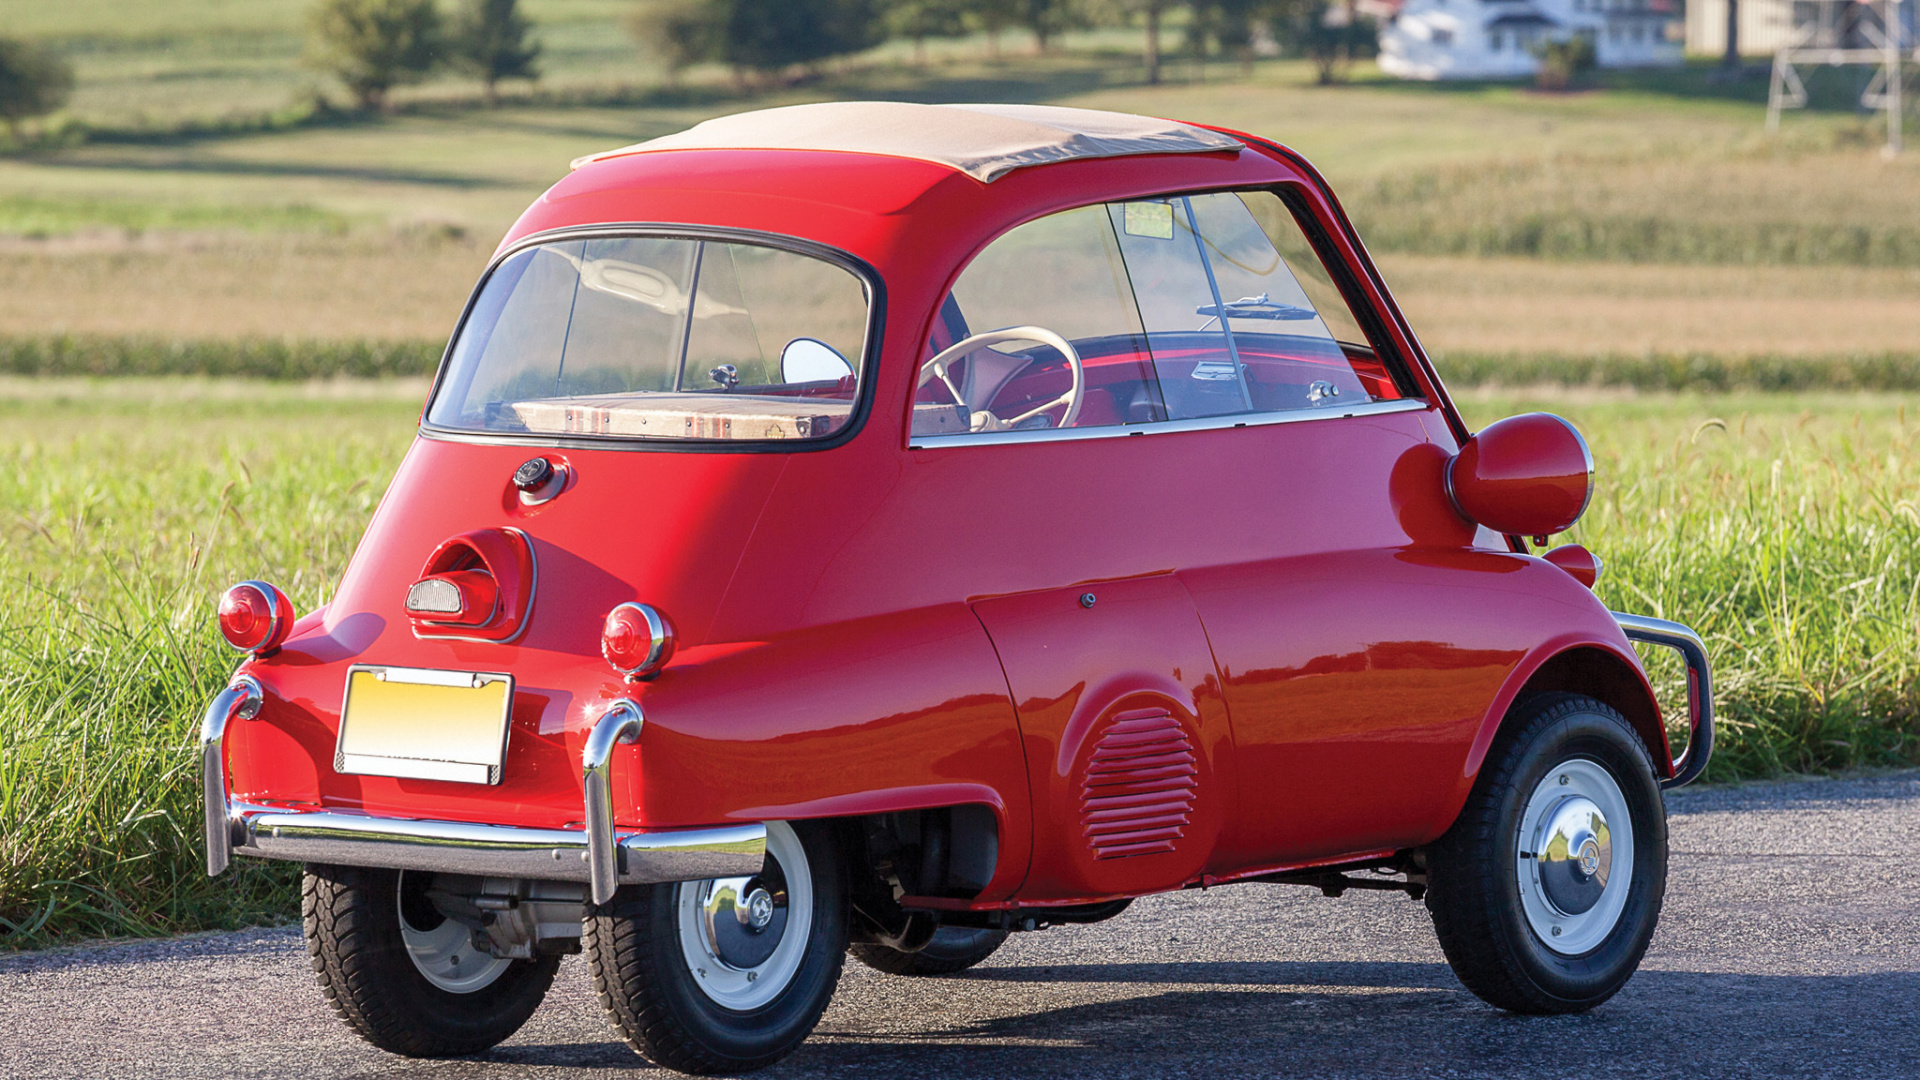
[(1176, 308), (1062, 274)]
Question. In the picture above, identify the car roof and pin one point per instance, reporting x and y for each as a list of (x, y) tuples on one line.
[(985, 142)]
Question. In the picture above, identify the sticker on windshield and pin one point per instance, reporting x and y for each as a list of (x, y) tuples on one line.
[(1153, 219)]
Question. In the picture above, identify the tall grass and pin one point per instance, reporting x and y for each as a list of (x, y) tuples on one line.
[(127, 506), (1786, 529), (1783, 527)]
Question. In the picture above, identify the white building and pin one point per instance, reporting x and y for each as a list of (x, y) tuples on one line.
[(1498, 39)]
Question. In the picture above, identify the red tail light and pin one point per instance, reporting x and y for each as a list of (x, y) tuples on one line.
[(637, 640), (255, 617)]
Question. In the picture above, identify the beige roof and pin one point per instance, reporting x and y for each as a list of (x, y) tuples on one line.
[(983, 141)]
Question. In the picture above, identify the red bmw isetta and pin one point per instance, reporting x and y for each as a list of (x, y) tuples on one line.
[(883, 527)]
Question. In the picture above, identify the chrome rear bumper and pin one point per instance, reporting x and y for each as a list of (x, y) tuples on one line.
[(1681, 638), (598, 854), (453, 847)]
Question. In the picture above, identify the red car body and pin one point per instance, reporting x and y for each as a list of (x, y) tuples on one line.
[(1295, 615)]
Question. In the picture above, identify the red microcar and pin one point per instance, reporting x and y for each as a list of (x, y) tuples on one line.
[(884, 527)]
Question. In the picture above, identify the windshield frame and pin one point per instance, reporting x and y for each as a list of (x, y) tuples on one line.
[(862, 271)]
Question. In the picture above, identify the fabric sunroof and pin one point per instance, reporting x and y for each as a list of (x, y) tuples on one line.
[(984, 141)]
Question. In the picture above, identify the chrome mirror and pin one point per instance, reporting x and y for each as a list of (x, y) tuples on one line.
[(807, 360)]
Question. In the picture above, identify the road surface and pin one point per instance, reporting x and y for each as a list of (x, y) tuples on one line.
[(1790, 947)]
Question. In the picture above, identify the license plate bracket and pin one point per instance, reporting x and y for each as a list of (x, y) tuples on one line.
[(424, 724)]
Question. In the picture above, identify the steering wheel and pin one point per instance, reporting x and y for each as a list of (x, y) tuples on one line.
[(983, 420)]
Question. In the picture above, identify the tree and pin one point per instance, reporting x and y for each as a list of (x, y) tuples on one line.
[(918, 20), (490, 40), (1226, 24), (1047, 18), (681, 33), (375, 45), (34, 81), (766, 36), (1330, 34), (1730, 60), (1152, 9)]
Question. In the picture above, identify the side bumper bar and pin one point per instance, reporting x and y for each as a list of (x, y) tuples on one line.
[(1681, 638), (599, 853)]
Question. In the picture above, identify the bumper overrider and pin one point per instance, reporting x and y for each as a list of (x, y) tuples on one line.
[(599, 854), (1681, 638)]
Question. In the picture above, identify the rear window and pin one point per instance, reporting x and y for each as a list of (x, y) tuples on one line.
[(659, 338)]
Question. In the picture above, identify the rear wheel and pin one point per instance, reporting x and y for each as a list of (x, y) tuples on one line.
[(730, 974), (1546, 890), (408, 979), (953, 948)]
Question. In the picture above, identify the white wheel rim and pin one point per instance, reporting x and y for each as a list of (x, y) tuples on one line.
[(445, 954), (1574, 857), (733, 905)]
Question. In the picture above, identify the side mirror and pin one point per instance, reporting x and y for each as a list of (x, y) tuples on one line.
[(807, 360), (1527, 475)]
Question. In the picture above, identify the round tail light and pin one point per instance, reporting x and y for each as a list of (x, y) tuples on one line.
[(637, 640), (255, 617)]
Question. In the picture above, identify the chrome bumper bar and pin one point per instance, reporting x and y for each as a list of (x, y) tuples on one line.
[(598, 854), (1681, 638)]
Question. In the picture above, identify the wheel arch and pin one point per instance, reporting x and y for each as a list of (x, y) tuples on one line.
[(1608, 672)]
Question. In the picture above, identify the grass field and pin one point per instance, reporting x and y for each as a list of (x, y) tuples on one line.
[(213, 218), (1640, 218), (1784, 528)]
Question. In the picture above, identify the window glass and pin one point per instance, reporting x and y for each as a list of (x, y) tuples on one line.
[(1175, 286), (1310, 274), (1061, 273), (1179, 308), (652, 337)]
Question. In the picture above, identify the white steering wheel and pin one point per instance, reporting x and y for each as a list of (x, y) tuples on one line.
[(981, 419)]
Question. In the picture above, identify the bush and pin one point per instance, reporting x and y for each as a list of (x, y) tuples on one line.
[(34, 81), (375, 45), (1563, 63)]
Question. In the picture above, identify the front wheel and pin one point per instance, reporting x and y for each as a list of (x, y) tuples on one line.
[(1546, 890), (730, 974)]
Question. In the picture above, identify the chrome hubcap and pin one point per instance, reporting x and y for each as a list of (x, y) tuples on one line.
[(1574, 857), (1575, 852), (743, 938)]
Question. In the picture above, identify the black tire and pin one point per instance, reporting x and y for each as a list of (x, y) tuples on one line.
[(953, 948), (352, 920), (1474, 871), (642, 973), (1475, 890)]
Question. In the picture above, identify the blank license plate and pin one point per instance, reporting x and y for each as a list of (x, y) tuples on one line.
[(424, 725)]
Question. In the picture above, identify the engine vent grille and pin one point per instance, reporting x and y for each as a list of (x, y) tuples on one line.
[(1139, 787)]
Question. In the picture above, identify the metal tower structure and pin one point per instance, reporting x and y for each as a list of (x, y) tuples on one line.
[(1832, 33)]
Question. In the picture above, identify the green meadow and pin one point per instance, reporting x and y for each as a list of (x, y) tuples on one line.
[(219, 294)]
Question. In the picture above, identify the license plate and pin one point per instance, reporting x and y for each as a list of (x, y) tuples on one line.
[(420, 724)]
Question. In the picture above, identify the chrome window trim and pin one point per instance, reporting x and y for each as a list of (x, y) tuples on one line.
[(1167, 427)]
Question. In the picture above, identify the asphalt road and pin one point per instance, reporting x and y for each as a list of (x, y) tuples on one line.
[(1790, 947)]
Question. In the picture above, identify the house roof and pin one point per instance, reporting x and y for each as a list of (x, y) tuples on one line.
[(1524, 18), (983, 141)]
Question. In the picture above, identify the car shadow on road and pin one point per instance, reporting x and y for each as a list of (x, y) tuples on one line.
[(1326, 1019)]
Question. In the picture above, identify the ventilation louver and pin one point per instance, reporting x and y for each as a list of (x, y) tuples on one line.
[(1140, 784)]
